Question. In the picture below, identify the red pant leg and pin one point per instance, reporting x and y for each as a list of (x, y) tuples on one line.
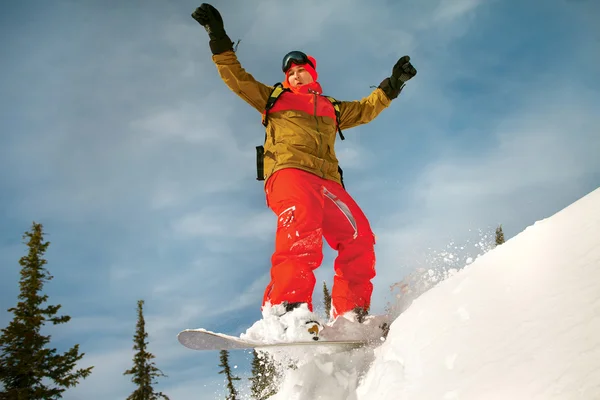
[(296, 197), (348, 231)]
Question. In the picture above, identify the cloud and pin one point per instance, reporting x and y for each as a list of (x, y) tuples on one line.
[(449, 11), (309, 20), (548, 141), (109, 366), (226, 222), (202, 122)]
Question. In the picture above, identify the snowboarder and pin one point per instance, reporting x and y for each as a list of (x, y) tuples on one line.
[(303, 184)]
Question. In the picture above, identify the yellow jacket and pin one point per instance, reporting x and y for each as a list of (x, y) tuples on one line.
[(301, 128)]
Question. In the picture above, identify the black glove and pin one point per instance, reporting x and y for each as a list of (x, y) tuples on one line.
[(211, 20), (401, 73)]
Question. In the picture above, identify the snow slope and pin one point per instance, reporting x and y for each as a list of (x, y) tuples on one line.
[(521, 322)]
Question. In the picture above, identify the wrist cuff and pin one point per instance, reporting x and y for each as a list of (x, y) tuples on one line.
[(391, 87), (221, 44)]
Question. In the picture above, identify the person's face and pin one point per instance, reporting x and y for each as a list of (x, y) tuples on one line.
[(298, 75)]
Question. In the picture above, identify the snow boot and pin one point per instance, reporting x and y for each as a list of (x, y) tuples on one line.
[(357, 324), (306, 324), (286, 322)]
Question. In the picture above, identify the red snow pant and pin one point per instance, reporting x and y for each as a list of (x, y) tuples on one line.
[(309, 208)]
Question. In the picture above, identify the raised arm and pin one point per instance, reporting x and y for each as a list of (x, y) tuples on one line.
[(241, 82), (230, 69), (354, 113)]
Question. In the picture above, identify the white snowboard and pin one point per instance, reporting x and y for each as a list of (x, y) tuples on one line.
[(201, 339)]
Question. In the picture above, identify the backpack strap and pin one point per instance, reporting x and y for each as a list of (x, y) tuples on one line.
[(336, 107), (278, 89)]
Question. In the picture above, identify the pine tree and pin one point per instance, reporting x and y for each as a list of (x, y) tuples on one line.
[(29, 368), (264, 376), (232, 395), (326, 299), (144, 371), (499, 236)]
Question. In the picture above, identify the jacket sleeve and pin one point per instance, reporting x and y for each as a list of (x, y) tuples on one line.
[(354, 113), (241, 82)]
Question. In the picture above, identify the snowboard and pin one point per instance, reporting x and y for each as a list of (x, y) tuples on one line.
[(204, 340)]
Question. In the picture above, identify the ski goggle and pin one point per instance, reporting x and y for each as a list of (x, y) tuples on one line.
[(295, 57)]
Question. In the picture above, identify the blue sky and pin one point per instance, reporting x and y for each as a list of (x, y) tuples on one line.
[(118, 135)]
